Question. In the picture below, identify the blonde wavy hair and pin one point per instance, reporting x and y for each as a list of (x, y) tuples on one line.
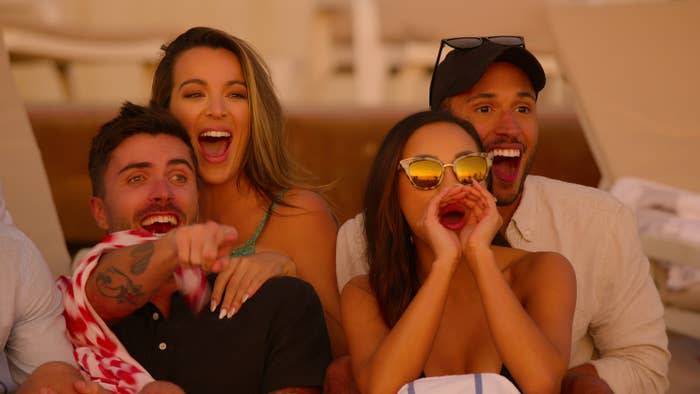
[(267, 163)]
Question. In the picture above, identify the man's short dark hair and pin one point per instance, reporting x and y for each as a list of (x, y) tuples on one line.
[(132, 120)]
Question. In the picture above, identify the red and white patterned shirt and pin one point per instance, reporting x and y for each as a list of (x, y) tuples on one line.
[(97, 350)]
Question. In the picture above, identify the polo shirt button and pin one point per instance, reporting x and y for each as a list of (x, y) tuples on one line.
[(156, 316), (162, 346)]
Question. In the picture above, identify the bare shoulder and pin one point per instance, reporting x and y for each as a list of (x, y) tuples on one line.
[(305, 214), (542, 263), (357, 287), (360, 282), (536, 268), (357, 299), (304, 230), (303, 201)]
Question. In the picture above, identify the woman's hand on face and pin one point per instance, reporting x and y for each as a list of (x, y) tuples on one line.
[(444, 242), (482, 219), (242, 276)]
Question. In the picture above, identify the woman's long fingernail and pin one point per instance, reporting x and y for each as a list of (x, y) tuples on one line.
[(213, 305), (222, 313), (231, 313), (245, 298)]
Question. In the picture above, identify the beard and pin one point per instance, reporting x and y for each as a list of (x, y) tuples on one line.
[(505, 200)]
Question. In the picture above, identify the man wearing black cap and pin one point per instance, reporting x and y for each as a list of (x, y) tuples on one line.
[(619, 341)]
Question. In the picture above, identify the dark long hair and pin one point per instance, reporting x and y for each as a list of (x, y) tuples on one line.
[(393, 273)]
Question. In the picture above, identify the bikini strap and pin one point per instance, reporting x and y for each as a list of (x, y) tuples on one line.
[(248, 248)]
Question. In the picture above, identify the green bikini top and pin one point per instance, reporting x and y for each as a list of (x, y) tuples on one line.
[(248, 248)]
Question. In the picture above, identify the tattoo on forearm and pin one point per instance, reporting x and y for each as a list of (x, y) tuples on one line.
[(142, 257), (112, 283)]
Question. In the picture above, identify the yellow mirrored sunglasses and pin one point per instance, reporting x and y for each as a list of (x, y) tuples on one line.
[(425, 172)]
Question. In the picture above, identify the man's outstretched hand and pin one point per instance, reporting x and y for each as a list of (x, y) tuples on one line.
[(207, 245)]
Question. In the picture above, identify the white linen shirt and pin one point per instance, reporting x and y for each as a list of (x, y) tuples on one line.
[(618, 322), (32, 328)]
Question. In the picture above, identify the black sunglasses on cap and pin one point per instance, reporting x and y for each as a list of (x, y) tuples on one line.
[(467, 43)]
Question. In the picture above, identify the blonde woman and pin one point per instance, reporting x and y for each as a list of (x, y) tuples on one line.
[(220, 90)]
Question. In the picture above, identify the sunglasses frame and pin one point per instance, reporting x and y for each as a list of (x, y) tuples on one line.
[(405, 164), (479, 42)]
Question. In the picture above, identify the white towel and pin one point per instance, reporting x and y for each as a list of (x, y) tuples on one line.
[(478, 383), (640, 193), (665, 212)]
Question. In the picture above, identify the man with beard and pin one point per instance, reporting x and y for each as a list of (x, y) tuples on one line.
[(619, 341), (134, 305)]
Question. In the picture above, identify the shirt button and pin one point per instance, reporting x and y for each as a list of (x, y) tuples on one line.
[(162, 346), (156, 316)]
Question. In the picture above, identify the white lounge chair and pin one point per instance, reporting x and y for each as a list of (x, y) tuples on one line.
[(634, 72), (24, 179)]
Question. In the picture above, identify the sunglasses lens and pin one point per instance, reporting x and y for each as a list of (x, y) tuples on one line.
[(464, 42), (471, 167), (425, 173), (509, 41)]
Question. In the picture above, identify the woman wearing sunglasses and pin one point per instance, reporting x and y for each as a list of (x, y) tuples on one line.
[(439, 299)]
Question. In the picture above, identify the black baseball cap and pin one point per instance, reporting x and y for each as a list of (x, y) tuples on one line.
[(463, 68)]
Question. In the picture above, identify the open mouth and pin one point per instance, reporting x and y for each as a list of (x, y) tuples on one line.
[(160, 223), (214, 145), (506, 164), (452, 216)]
